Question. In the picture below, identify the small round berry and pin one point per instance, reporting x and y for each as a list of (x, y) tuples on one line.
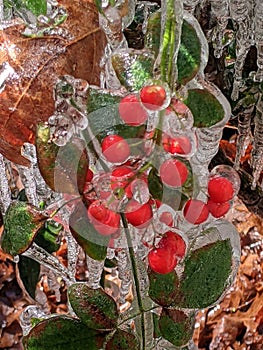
[(173, 173), (166, 218), (218, 209), (153, 96), (177, 145), (121, 178), (195, 211), (115, 149), (162, 260), (89, 175), (175, 242), (131, 111), (105, 221), (138, 215), (220, 189)]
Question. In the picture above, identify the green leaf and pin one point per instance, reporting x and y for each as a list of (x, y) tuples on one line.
[(47, 236), (176, 327), (93, 243), (122, 340), (38, 7), (95, 308), (163, 288), (205, 276), (63, 168), (206, 109), (189, 54), (21, 223), (133, 67), (155, 184), (63, 332), (29, 274)]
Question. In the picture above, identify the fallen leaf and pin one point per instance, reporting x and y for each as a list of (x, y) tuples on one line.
[(33, 65)]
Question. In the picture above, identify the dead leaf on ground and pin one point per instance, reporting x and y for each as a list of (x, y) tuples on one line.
[(27, 97)]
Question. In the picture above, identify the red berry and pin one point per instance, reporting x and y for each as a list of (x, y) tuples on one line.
[(131, 111), (162, 260), (177, 145), (178, 106), (220, 189), (175, 242), (121, 178), (89, 175), (105, 221), (153, 96), (218, 209), (195, 211), (173, 172), (115, 149), (167, 218), (138, 215)]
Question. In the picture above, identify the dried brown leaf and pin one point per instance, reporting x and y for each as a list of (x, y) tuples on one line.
[(27, 97)]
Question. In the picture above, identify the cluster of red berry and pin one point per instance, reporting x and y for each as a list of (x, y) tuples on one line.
[(119, 196)]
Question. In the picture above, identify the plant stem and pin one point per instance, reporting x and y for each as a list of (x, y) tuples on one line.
[(136, 278)]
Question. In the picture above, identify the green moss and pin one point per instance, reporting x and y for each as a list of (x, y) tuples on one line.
[(122, 340), (205, 275), (94, 307), (62, 332), (176, 326), (207, 110), (163, 288), (20, 228), (189, 55)]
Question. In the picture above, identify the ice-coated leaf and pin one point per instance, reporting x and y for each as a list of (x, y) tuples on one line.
[(206, 109), (29, 274), (133, 67), (38, 7), (122, 340), (163, 288), (176, 327), (33, 65), (155, 184), (205, 275), (63, 168), (95, 308), (93, 243), (189, 54), (21, 223), (63, 332)]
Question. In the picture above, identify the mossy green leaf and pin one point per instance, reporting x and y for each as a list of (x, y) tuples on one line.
[(93, 243), (133, 67), (206, 109), (63, 168), (176, 327), (63, 332), (163, 288), (21, 224), (189, 54), (95, 308), (205, 276), (123, 340), (155, 184), (29, 274)]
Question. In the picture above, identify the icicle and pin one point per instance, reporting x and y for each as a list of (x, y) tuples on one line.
[(5, 193), (257, 153), (72, 254), (51, 262), (124, 274), (95, 269), (239, 12), (258, 30), (190, 5), (220, 10), (28, 180), (244, 134)]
